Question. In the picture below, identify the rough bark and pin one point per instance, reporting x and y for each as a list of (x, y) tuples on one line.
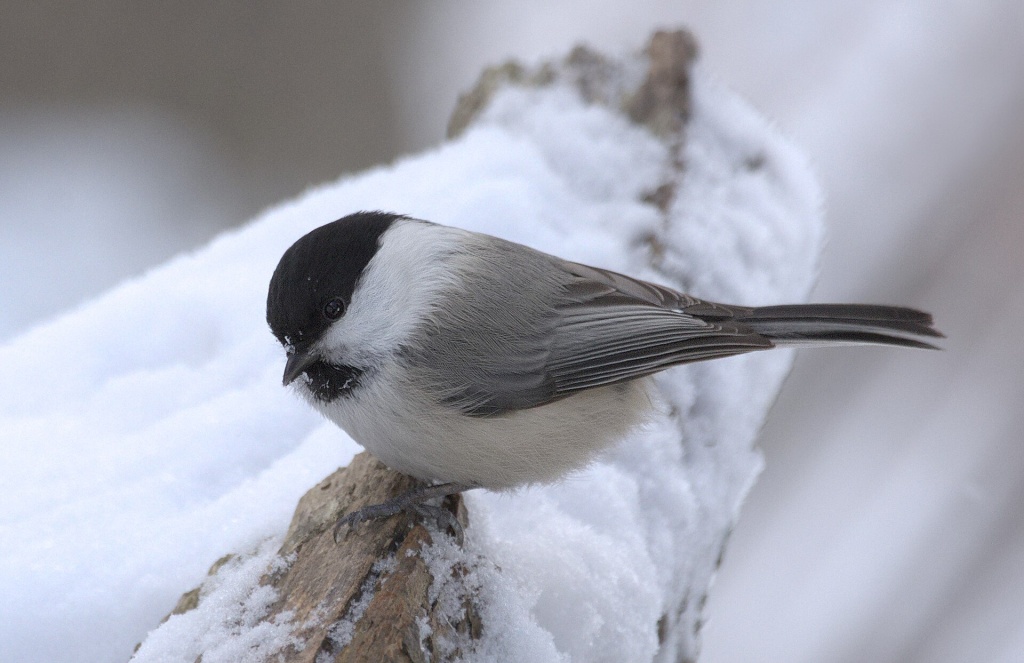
[(373, 577)]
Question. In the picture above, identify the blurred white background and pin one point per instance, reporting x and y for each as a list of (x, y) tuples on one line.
[(889, 523)]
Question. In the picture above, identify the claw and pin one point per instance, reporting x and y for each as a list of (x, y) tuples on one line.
[(444, 519), (413, 500)]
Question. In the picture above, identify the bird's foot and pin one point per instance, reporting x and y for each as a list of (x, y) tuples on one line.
[(414, 500)]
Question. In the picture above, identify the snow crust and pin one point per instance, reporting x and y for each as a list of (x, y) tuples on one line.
[(145, 434)]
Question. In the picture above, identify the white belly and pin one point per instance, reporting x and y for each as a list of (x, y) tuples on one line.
[(535, 445)]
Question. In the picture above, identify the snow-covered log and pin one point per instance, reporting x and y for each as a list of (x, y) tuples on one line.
[(170, 443)]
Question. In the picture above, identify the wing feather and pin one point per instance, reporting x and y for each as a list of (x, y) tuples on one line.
[(530, 329), (602, 328)]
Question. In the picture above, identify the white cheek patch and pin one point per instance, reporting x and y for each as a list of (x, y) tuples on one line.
[(396, 291)]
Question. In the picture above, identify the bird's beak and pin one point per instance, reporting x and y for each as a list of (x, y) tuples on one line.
[(298, 362)]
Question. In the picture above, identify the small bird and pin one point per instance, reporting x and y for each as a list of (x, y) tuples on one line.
[(469, 361)]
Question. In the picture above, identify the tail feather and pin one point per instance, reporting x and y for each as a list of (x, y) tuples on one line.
[(803, 324)]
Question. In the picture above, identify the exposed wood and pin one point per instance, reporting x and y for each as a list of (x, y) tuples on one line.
[(363, 597)]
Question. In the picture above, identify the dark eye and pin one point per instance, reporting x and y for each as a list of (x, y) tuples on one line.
[(334, 308)]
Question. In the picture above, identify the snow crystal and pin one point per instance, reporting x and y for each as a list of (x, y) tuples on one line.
[(228, 624), (341, 632)]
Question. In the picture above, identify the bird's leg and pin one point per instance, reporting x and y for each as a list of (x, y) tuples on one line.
[(413, 500)]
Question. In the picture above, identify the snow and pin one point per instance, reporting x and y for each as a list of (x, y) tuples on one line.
[(228, 626), (145, 434), (341, 632)]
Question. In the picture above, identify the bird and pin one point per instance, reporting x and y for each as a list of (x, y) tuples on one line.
[(470, 361)]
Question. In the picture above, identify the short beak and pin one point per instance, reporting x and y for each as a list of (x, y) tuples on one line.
[(298, 362)]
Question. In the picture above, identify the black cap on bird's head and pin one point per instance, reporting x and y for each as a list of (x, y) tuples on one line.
[(314, 281)]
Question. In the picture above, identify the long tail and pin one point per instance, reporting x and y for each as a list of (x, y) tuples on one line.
[(805, 324)]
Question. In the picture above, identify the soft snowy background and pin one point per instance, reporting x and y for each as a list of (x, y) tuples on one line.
[(149, 434), (887, 525)]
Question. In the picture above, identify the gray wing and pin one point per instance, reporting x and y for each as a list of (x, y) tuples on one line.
[(571, 327), (615, 328)]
